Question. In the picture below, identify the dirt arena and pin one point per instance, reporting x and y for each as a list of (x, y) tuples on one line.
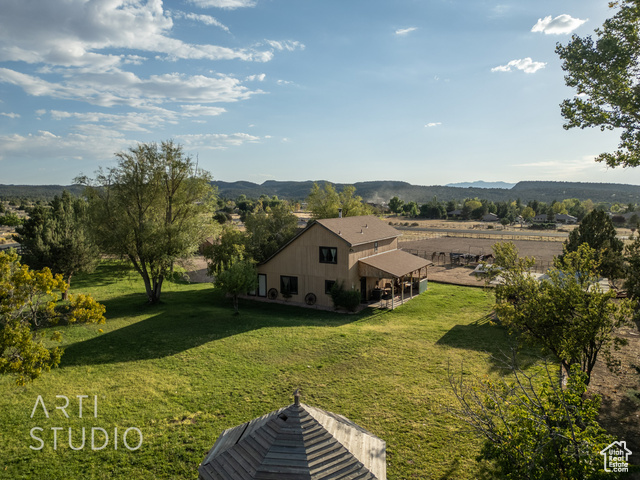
[(443, 271)]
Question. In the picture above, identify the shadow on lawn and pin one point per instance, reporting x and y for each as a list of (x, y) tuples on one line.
[(485, 336), (185, 320), (107, 273)]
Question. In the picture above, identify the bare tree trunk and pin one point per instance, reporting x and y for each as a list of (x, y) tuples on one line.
[(65, 294)]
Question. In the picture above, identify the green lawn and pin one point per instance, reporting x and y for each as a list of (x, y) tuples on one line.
[(187, 369)]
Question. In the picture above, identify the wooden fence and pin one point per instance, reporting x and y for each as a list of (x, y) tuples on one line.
[(415, 236), (465, 259)]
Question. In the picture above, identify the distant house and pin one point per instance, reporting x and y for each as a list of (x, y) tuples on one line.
[(566, 219), (557, 218), (454, 213), (296, 442), (543, 218), (490, 217), (360, 252)]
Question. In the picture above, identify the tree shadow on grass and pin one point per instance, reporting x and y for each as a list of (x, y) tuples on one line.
[(186, 319), (484, 335), (106, 273)]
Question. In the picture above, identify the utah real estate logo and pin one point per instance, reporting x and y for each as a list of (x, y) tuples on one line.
[(616, 457)]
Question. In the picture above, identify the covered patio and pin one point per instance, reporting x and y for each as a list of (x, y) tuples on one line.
[(391, 278)]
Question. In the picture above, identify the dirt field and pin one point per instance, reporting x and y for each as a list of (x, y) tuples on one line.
[(444, 272), (620, 391)]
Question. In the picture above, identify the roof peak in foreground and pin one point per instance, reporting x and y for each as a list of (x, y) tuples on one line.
[(296, 442)]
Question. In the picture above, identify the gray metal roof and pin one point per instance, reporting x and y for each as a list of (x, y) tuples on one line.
[(295, 443)]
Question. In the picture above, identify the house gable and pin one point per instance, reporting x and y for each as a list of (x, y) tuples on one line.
[(327, 251)]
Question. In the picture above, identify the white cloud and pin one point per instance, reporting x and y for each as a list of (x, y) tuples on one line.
[(228, 4), (561, 25), (201, 110), (75, 33), (256, 78), (288, 45), (433, 124), (564, 168), (206, 19), (527, 65), (10, 114), (216, 141), (405, 31), (100, 144), (132, 122), (123, 88)]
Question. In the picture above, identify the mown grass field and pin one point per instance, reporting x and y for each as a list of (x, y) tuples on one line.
[(187, 369)]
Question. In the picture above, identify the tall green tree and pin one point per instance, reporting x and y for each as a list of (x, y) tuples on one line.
[(605, 75), (533, 428), (230, 245), (597, 231), (57, 237), (326, 202), (152, 208), (29, 302), (567, 313), (237, 279), (411, 209), (395, 205), (268, 230)]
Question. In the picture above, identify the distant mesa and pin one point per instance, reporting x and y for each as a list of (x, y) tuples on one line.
[(482, 184), (379, 192)]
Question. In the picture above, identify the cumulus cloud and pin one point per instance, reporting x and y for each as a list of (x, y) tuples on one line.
[(561, 25), (256, 78), (31, 32), (10, 114), (527, 65), (433, 124), (405, 31), (227, 4)]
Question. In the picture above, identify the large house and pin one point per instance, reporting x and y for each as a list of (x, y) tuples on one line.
[(360, 252)]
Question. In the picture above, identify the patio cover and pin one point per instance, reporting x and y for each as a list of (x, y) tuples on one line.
[(395, 263)]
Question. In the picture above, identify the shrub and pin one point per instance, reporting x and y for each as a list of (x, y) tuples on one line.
[(349, 299)]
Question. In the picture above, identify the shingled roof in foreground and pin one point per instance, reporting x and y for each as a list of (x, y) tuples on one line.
[(295, 443)]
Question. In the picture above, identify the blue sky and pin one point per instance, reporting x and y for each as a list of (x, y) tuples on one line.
[(425, 91)]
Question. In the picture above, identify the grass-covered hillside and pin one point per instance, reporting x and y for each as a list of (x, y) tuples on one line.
[(185, 370)]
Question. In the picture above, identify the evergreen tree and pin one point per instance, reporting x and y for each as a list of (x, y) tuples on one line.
[(57, 237)]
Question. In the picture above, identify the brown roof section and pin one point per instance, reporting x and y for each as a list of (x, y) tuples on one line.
[(359, 230), (396, 262)]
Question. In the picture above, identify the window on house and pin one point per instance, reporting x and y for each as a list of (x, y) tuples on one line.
[(328, 285), (288, 285), (375, 247), (328, 255)]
